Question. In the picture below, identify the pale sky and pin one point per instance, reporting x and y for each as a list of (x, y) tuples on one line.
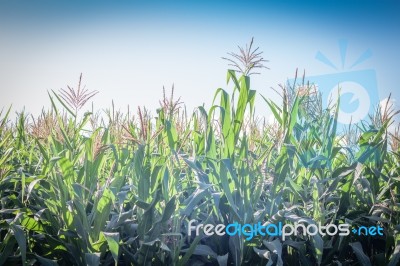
[(130, 50)]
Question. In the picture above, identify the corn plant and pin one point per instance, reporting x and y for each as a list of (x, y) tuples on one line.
[(99, 188)]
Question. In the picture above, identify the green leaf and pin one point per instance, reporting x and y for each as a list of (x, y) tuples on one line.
[(63, 104), (318, 245), (19, 235), (102, 213), (275, 246), (169, 210), (223, 260), (358, 250), (92, 259), (189, 252), (113, 244), (275, 110)]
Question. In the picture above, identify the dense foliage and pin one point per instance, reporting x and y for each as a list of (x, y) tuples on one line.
[(87, 189)]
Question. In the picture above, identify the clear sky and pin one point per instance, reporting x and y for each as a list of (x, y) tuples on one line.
[(129, 50)]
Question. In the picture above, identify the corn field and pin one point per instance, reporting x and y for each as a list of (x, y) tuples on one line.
[(80, 187)]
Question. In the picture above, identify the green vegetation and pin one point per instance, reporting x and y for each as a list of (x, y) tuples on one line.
[(84, 189)]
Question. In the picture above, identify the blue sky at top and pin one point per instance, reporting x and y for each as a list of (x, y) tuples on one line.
[(129, 50)]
